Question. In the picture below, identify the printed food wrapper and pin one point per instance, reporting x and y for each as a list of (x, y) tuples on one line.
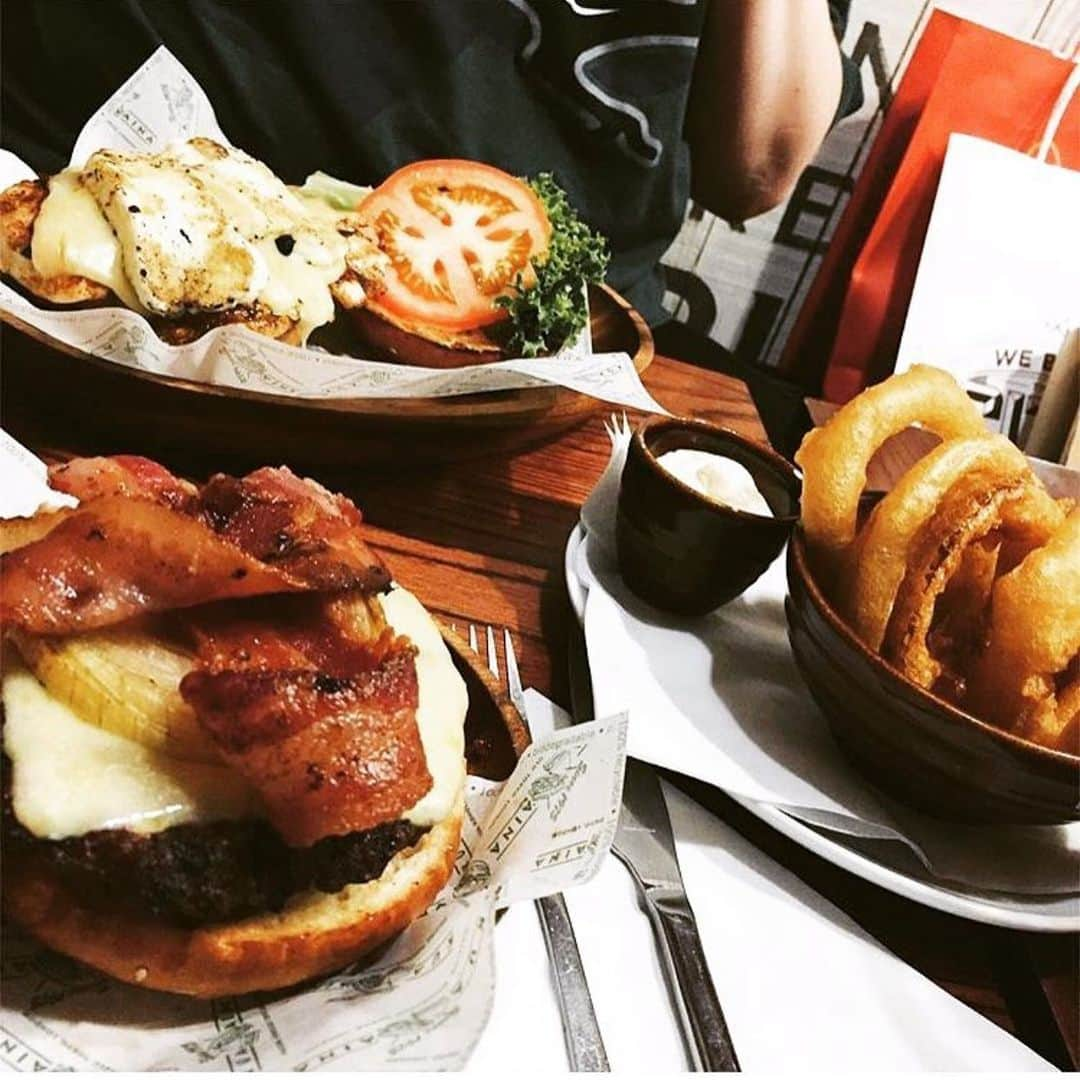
[(161, 103), (419, 1006)]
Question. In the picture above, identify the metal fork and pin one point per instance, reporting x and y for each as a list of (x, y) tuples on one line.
[(584, 1043)]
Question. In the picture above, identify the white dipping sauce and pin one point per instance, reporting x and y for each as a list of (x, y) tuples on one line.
[(716, 477)]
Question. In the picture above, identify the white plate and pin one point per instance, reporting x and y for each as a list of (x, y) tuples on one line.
[(1057, 914)]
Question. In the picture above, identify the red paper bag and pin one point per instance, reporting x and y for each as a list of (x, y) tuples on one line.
[(962, 77)]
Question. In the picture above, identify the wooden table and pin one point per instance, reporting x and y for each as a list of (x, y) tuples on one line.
[(483, 543)]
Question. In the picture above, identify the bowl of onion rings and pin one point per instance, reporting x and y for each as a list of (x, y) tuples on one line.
[(940, 632)]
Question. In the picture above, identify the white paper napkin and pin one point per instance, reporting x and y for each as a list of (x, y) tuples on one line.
[(720, 698), (803, 988), (25, 489)]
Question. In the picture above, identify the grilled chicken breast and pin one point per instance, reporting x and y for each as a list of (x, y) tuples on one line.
[(194, 237)]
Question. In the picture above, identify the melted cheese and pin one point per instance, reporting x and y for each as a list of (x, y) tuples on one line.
[(298, 284), (440, 715), (71, 236), (70, 777), (198, 227)]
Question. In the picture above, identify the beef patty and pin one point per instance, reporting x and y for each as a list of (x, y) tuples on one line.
[(193, 875)]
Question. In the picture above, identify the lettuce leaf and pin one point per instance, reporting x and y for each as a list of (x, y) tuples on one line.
[(339, 194)]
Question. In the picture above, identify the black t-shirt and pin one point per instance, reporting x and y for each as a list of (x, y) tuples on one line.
[(594, 91)]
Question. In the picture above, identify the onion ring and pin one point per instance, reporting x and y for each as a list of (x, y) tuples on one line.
[(1028, 526), (973, 508), (882, 553), (1028, 678), (958, 631), (834, 457), (1068, 717)]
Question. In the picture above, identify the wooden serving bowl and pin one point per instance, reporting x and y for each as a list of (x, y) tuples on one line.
[(495, 732), (911, 743), (57, 395)]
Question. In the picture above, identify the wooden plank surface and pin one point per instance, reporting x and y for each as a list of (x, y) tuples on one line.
[(483, 540)]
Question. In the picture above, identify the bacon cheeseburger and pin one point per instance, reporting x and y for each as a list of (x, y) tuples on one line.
[(233, 751)]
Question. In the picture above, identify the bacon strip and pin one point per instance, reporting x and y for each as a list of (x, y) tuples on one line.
[(295, 524), (312, 698), (272, 513), (337, 636), (329, 755), (143, 542), (92, 478), (301, 683), (122, 557), (123, 474)]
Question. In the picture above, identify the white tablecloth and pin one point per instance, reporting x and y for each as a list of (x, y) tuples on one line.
[(802, 986)]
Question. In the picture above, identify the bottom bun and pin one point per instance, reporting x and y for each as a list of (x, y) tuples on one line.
[(391, 338), (315, 932)]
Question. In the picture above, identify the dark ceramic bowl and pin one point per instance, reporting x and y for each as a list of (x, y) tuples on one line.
[(685, 553), (916, 746)]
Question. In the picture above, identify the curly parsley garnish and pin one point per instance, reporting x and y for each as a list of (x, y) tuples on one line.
[(544, 316)]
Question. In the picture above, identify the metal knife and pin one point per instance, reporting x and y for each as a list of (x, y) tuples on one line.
[(645, 843)]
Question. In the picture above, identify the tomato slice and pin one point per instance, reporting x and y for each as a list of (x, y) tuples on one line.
[(457, 233)]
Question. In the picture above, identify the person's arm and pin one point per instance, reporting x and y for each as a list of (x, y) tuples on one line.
[(766, 87)]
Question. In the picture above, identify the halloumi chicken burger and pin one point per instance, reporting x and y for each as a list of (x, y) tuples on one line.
[(446, 263), (233, 750)]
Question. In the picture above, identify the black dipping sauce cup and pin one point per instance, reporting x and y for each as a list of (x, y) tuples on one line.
[(683, 552)]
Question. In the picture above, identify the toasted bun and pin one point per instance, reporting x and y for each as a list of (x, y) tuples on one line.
[(257, 317), (403, 341), (314, 934)]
